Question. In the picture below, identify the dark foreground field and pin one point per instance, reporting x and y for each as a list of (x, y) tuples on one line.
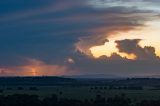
[(33, 100), (56, 91)]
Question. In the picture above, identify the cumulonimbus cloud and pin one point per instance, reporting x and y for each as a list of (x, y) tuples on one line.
[(52, 32)]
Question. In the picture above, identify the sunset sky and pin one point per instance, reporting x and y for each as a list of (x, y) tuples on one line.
[(79, 37)]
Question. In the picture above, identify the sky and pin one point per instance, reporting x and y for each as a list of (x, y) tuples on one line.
[(79, 37)]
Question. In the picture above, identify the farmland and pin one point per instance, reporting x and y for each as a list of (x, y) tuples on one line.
[(82, 89), (49, 91), (80, 92)]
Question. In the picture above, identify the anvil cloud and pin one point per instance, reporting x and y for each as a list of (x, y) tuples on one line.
[(60, 33)]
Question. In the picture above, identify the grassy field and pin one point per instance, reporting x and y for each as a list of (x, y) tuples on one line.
[(80, 93)]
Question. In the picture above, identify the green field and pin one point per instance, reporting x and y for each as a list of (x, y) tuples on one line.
[(80, 92)]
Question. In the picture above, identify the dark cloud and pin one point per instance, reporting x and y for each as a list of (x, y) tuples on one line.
[(120, 67), (52, 31), (132, 47)]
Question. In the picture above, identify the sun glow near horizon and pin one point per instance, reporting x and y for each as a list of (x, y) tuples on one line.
[(149, 35), (108, 49)]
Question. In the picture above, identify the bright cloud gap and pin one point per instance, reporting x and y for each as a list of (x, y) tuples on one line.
[(124, 49)]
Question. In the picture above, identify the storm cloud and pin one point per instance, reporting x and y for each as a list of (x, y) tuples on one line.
[(60, 33)]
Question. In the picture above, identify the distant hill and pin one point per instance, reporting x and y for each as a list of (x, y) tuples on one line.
[(138, 82), (79, 81), (35, 81), (95, 76)]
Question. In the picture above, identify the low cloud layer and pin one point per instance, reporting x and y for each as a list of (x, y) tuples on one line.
[(114, 65), (34, 67)]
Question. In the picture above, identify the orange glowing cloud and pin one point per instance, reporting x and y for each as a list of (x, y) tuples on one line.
[(34, 68), (127, 48), (148, 34)]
